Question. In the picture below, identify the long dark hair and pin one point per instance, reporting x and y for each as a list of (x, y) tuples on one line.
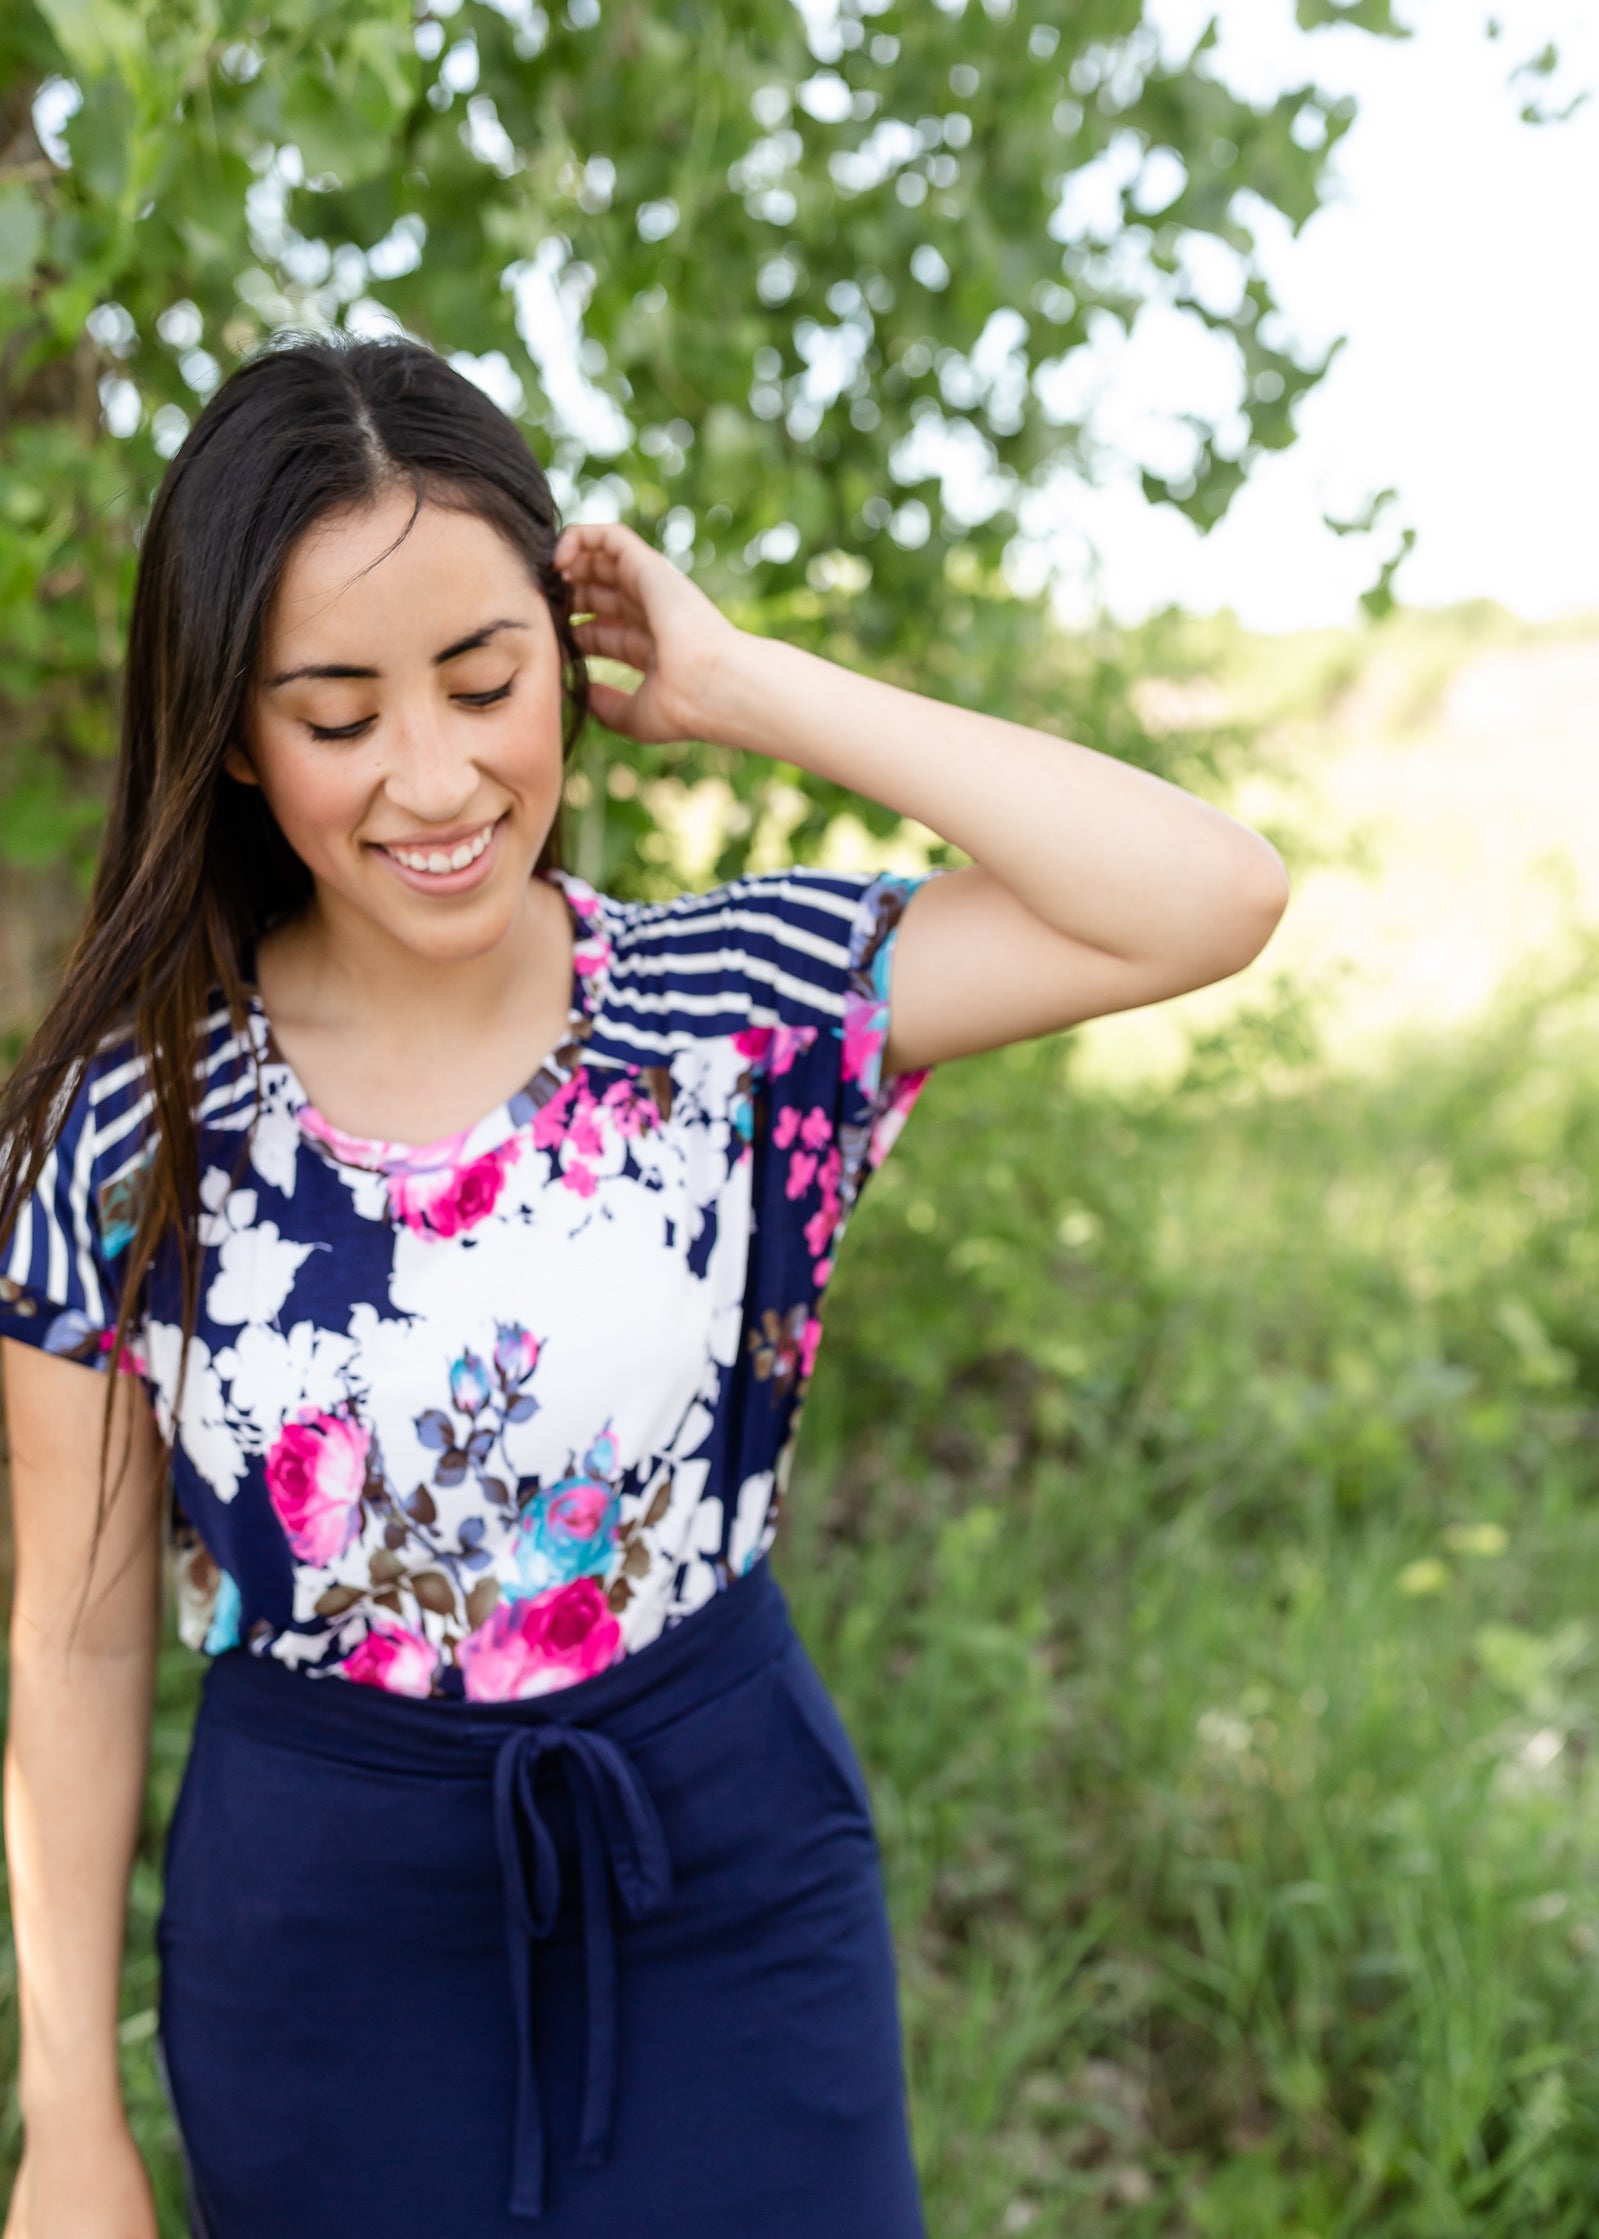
[(193, 867)]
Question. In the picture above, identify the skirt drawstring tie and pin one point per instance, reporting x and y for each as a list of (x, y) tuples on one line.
[(620, 1846)]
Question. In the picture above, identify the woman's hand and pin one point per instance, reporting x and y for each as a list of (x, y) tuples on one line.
[(89, 2186), (652, 617)]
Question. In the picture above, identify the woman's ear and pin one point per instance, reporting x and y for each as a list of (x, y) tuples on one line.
[(239, 767)]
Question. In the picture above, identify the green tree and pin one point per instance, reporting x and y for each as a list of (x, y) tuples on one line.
[(750, 276)]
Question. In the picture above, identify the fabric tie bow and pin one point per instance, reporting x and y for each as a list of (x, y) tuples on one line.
[(620, 1845)]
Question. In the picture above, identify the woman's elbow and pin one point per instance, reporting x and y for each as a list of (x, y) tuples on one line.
[(1251, 905)]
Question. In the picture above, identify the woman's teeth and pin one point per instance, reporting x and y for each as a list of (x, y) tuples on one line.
[(437, 860)]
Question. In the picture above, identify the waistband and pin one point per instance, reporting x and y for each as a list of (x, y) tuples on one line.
[(584, 1731)]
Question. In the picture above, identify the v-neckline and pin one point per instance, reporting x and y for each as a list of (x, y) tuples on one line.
[(590, 969)]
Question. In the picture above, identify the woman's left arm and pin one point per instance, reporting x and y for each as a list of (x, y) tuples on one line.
[(1093, 886)]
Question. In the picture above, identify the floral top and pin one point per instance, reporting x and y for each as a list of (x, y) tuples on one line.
[(482, 1417)]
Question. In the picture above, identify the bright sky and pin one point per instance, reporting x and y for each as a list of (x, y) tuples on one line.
[(1459, 261)]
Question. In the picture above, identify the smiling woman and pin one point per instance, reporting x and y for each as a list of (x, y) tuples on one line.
[(411, 753), (457, 1236)]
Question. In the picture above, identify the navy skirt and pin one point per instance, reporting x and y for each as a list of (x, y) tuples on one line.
[(612, 1963)]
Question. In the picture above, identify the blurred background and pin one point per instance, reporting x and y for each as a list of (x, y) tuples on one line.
[(1196, 1512)]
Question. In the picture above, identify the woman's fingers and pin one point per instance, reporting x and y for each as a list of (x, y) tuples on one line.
[(601, 551), (616, 641), (602, 599), (618, 709)]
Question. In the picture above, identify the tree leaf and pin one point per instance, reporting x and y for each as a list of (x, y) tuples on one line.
[(21, 232)]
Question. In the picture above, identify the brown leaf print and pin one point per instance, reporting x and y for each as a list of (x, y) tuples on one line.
[(434, 1591), (481, 1601)]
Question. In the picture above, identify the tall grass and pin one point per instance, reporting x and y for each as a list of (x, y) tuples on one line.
[(1196, 1516), (1197, 1519)]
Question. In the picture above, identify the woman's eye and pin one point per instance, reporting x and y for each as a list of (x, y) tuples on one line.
[(463, 699)]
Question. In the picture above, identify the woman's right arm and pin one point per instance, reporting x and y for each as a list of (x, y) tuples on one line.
[(76, 1755)]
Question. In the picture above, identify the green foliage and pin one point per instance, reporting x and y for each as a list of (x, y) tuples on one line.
[(827, 249), (1197, 1521)]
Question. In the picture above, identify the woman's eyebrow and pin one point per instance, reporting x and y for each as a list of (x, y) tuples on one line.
[(450, 653)]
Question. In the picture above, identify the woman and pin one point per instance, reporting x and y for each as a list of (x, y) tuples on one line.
[(455, 1236)]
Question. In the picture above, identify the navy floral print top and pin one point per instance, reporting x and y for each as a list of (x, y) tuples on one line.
[(481, 1417)]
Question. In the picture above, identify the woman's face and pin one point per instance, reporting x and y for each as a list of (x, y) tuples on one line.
[(404, 725)]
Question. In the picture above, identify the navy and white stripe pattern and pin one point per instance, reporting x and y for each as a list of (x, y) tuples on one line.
[(756, 952), (480, 1417)]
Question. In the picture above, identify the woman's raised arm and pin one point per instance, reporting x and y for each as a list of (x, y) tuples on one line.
[(1094, 886), (77, 1750)]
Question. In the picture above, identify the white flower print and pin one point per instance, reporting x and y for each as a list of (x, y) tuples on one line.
[(206, 1428), (256, 1266)]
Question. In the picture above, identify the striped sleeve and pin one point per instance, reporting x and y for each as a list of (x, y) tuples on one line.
[(771, 950), (794, 966), (59, 1267)]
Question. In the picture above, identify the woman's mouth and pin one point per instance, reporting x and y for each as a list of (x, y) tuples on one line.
[(447, 867)]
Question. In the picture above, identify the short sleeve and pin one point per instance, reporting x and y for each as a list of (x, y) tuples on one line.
[(59, 1267), (805, 956)]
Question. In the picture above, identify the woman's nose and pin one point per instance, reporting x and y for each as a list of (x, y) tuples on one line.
[(431, 777)]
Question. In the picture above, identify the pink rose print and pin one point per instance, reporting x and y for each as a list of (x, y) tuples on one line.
[(787, 1042), (528, 1646), (801, 1173), (551, 1118), (568, 1125), (810, 1338), (394, 1657), (819, 1228), (632, 1108), (815, 1128), (315, 1473), (888, 1124), (584, 1135), (516, 1352), (774, 1046), (577, 1511), (132, 1363), (865, 1032), (448, 1200), (786, 1126), (592, 952)]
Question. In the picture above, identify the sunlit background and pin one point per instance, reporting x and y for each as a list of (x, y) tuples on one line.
[(1456, 263)]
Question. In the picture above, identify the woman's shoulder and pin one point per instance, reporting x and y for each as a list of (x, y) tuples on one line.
[(106, 1108), (783, 946), (809, 916)]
